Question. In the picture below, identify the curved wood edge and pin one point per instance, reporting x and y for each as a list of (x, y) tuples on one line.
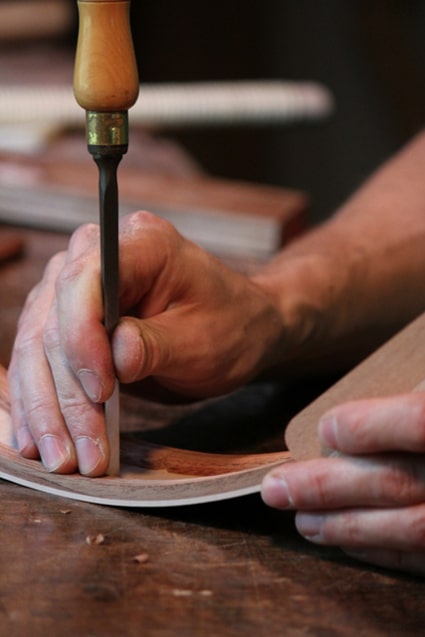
[(151, 475)]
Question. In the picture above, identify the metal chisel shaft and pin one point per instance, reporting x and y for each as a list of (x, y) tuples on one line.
[(109, 256)]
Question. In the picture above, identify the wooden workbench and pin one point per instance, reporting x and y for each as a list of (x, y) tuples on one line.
[(224, 569)]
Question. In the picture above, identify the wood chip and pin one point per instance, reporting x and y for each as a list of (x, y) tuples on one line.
[(95, 539), (142, 558)]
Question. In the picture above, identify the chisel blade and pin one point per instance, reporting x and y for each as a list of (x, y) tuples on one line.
[(109, 254)]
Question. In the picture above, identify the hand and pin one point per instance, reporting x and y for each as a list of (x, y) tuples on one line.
[(194, 326), (369, 497)]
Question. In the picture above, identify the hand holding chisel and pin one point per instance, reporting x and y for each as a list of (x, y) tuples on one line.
[(106, 85)]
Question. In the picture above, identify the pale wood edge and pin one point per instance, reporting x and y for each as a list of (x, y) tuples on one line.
[(396, 367), (142, 487)]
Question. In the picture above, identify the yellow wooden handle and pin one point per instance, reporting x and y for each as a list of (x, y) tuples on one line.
[(105, 74)]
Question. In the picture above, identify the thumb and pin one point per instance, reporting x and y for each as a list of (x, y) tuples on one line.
[(140, 348)]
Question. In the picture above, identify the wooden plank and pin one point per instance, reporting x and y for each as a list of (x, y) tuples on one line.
[(396, 367), (225, 217)]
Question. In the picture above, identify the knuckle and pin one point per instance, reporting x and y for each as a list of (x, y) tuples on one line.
[(342, 529), (319, 486), (309, 487), (70, 273), (51, 337), (54, 264), (77, 412), (145, 221), (37, 414), (26, 341), (84, 236), (401, 484), (31, 297)]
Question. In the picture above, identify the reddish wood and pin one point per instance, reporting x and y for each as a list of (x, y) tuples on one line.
[(396, 367)]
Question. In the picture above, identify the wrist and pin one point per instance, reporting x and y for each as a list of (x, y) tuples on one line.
[(312, 289)]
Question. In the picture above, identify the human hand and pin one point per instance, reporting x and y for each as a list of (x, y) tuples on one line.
[(368, 497), (194, 326)]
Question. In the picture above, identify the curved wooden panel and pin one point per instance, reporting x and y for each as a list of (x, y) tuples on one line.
[(396, 367), (151, 475)]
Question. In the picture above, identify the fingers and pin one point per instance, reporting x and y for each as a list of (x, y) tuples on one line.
[(84, 418), (370, 502), (331, 483), (76, 324), (366, 528), (181, 327), (33, 399), (370, 426), (61, 367), (52, 415)]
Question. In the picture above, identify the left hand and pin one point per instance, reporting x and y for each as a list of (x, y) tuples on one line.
[(368, 497)]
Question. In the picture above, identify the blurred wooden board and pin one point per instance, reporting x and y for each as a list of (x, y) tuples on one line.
[(226, 217)]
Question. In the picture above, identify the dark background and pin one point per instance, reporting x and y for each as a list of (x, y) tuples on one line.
[(369, 53)]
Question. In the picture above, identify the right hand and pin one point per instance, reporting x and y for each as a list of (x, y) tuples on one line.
[(188, 322)]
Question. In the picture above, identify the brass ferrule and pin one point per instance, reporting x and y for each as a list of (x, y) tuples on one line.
[(107, 129)]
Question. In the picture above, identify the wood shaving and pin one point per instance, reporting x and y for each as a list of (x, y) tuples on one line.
[(95, 539), (142, 558), (66, 511)]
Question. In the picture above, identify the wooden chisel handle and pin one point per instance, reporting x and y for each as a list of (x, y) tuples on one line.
[(105, 74)]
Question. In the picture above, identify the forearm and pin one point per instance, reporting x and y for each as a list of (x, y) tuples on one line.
[(346, 286)]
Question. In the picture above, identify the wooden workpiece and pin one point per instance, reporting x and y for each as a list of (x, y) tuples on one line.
[(227, 568), (151, 475), (154, 475)]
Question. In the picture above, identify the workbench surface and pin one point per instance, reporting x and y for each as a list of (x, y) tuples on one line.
[(223, 569)]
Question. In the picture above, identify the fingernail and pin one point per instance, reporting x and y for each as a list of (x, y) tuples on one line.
[(328, 428), (275, 491), (89, 455), (310, 526), (91, 384), (53, 451)]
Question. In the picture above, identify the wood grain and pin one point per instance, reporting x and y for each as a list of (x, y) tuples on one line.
[(396, 367), (151, 475), (105, 76)]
